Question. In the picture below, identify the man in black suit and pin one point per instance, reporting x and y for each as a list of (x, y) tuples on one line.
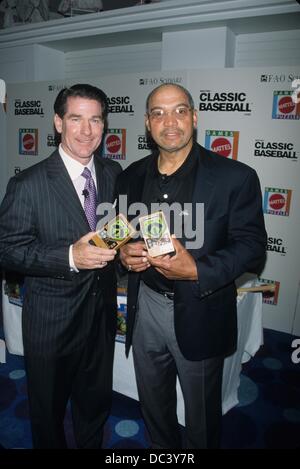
[(69, 314), (182, 308)]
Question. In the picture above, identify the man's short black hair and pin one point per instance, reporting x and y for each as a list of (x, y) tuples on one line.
[(80, 90)]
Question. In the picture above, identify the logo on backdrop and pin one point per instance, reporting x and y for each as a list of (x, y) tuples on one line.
[(143, 143), (29, 108), (115, 144), (270, 297), (270, 78), (57, 87), (276, 245), (278, 77), (51, 140), (28, 141), (284, 107), (223, 142), (17, 170), (156, 81), (277, 201), (224, 101), (120, 104), (275, 149)]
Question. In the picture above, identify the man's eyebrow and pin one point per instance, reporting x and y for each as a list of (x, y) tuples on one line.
[(74, 115), (176, 105), (98, 116)]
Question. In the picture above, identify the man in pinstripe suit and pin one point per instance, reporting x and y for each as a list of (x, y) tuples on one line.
[(69, 311)]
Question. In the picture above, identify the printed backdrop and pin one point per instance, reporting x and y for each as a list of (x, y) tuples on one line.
[(250, 115)]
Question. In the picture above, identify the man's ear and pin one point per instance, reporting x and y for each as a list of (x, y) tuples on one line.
[(195, 118), (58, 123), (147, 122)]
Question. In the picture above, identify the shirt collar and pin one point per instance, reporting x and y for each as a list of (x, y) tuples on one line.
[(75, 168), (188, 164)]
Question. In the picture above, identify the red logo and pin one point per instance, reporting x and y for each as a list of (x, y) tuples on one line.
[(286, 105), (113, 143), (28, 141), (222, 146), (276, 201)]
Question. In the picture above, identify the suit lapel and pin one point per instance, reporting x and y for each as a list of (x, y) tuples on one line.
[(136, 186), (204, 187), (65, 192), (204, 182), (102, 180)]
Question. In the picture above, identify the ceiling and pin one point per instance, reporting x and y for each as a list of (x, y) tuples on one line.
[(147, 24)]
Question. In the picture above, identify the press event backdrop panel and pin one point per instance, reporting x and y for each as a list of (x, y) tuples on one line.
[(244, 114)]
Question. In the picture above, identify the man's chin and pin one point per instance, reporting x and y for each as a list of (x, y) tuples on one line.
[(172, 148)]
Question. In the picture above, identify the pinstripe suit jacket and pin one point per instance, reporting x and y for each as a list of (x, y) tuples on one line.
[(40, 217)]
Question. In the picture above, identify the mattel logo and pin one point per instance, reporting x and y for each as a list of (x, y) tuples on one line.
[(223, 142), (277, 201), (284, 106), (115, 144), (270, 297), (28, 141)]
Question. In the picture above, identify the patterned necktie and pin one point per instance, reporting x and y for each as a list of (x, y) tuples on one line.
[(90, 199)]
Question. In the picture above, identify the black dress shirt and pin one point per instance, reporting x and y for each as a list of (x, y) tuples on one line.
[(167, 189)]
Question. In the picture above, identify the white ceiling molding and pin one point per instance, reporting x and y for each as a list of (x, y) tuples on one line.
[(150, 21)]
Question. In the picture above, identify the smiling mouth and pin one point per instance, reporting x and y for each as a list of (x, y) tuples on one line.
[(171, 134)]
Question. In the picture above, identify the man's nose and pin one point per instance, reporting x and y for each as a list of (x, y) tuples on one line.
[(86, 127), (170, 119)]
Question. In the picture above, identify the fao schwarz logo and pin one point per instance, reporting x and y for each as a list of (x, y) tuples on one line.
[(57, 87), (28, 142), (285, 106), (277, 201)]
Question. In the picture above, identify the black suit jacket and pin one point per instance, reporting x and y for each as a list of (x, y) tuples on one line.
[(234, 243), (40, 217)]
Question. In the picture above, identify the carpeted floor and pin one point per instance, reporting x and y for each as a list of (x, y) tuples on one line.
[(268, 415)]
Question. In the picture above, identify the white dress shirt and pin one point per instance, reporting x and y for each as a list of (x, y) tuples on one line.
[(75, 170)]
